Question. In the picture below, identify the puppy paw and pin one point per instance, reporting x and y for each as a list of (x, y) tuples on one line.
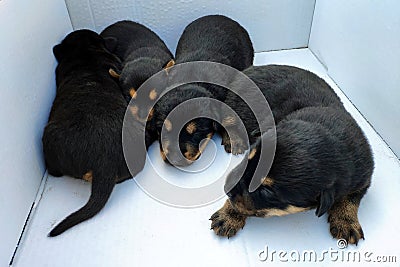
[(227, 224), (227, 144), (238, 147), (342, 227)]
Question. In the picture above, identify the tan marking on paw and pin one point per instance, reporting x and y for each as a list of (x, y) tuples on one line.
[(153, 94), (163, 156), (227, 221), (88, 176), (191, 127), (343, 220)]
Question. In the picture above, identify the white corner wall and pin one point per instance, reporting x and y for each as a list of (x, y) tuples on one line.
[(359, 43), (28, 31), (272, 24)]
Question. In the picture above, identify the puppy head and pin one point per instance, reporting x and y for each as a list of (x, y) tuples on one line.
[(193, 139), (185, 144), (80, 41)]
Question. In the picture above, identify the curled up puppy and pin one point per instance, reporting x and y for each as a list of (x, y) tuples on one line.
[(141, 51), (285, 88), (83, 137), (322, 161)]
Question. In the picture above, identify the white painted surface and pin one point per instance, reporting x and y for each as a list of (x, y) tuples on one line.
[(135, 230), (359, 42), (28, 30), (272, 24)]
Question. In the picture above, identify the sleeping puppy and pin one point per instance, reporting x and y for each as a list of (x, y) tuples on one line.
[(83, 137), (286, 89), (322, 161), (213, 38), (192, 133), (141, 51)]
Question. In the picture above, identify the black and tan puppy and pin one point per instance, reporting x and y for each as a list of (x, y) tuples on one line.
[(141, 51), (212, 38), (83, 137), (286, 89), (322, 161)]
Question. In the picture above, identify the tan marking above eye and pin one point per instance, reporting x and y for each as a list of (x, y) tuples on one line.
[(170, 64), (229, 121), (88, 176), (252, 153), (267, 181), (113, 73), (153, 94), (168, 125), (134, 110), (151, 113), (133, 93), (191, 127)]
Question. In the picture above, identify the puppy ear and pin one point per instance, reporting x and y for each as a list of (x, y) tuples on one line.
[(58, 51), (326, 200), (110, 43)]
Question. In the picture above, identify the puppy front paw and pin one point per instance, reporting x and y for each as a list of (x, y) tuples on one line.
[(342, 227), (227, 224), (238, 146)]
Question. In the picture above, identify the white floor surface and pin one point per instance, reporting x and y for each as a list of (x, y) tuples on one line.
[(136, 230)]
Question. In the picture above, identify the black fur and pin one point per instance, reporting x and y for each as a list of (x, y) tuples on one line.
[(286, 89), (215, 38), (141, 51), (85, 124)]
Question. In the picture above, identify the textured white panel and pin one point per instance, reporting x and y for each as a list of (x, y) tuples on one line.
[(359, 42), (272, 24), (28, 31), (81, 14)]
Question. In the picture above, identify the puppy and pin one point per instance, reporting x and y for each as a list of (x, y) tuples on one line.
[(322, 161), (286, 89), (192, 133), (83, 137), (213, 38), (142, 52)]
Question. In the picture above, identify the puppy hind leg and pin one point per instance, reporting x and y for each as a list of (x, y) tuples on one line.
[(343, 218)]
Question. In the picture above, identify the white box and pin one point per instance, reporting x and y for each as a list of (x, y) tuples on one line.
[(353, 45)]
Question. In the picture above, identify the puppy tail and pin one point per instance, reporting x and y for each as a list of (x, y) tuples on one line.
[(101, 191)]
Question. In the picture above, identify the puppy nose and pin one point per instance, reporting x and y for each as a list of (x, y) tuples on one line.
[(178, 159)]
